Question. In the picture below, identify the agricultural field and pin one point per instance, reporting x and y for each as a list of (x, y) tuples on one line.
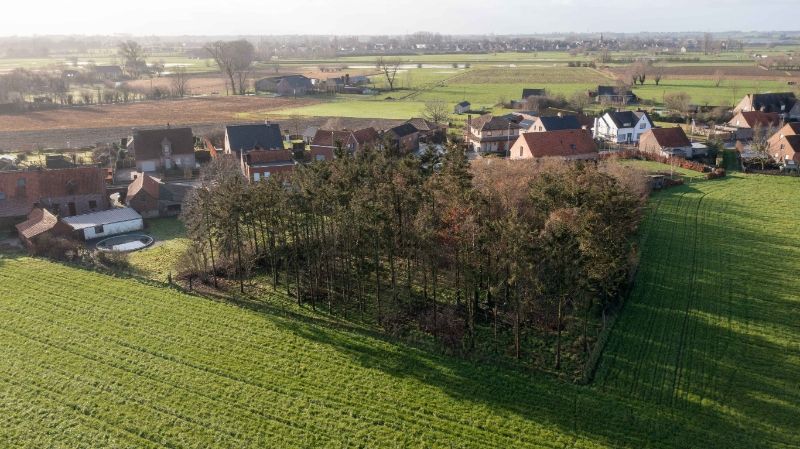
[(705, 354)]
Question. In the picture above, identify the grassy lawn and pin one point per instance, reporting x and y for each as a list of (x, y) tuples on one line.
[(704, 92), (162, 258), (705, 354)]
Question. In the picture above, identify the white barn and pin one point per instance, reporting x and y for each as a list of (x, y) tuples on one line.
[(106, 223)]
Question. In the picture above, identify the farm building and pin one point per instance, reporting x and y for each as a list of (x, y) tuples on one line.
[(462, 108), (403, 138), (259, 165), (153, 198), (106, 223), (289, 85), (667, 142), (428, 129), (568, 144), (64, 192), (528, 92), (613, 95), (488, 133), (555, 123), (263, 136), (622, 126), (163, 149), (40, 222)]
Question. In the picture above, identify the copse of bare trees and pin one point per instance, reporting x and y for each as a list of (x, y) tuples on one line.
[(133, 56), (482, 258), (235, 61)]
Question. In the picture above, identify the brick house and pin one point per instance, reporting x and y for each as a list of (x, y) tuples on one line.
[(403, 138), (568, 144), (746, 122), (151, 197), (783, 103), (666, 141), (352, 141), (258, 165), (784, 145), (40, 223), (490, 134), (63, 192), (163, 149)]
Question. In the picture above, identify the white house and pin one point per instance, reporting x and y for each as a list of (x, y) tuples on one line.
[(622, 126), (462, 108), (106, 223)]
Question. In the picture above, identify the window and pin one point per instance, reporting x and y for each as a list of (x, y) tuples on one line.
[(2, 195), (21, 182), (92, 204), (98, 229), (266, 174), (256, 176), (166, 148), (643, 126), (320, 157)]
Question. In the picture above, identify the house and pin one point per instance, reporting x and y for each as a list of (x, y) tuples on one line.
[(105, 224), (288, 85), (108, 72), (40, 222), (462, 108), (555, 123), (784, 145), (613, 94), (428, 130), (163, 149), (490, 134), (745, 123), (783, 103), (666, 141), (567, 144), (259, 165), (262, 136), (63, 192), (351, 141), (622, 126), (533, 93), (151, 197), (403, 138)]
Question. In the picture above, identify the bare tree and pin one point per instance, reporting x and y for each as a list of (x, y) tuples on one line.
[(579, 100), (389, 67), (658, 74), (436, 111), (677, 101), (133, 56), (719, 77), (708, 43), (180, 82), (235, 60)]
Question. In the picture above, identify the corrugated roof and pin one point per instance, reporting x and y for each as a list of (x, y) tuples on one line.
[(105, 217)]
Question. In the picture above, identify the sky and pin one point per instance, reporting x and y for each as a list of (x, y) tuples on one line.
[(381, 17)]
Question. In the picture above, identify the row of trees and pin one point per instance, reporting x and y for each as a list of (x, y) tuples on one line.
[(478, 257)]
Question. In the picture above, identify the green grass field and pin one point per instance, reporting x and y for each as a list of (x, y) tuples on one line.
[(705, 354), (161, 259)]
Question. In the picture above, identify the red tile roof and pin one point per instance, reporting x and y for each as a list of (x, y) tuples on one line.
[(673, 137), (564, 143), (268, 156), (39, 221), (754, 118), (144, 182)]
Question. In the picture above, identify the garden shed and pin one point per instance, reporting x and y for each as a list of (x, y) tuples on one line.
[(106, 223)]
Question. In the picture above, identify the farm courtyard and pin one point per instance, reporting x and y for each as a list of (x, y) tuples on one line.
[(704, 354)]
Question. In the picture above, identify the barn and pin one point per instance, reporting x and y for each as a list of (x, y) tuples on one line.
[(106, 223)]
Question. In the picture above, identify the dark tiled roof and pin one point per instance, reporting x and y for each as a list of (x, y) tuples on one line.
[(259, 157), (406, 129), (147, 143), (423, 125), (464, 104), (556, 123), (628, 119), (252, 137), (793, 142), (296, 81), (565, 143), (488, 122), (532, 92), (777, 102)]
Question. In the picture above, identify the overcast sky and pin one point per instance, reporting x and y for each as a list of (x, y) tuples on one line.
[(363, 17)]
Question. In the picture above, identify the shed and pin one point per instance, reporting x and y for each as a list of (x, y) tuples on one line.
[(106, 223)]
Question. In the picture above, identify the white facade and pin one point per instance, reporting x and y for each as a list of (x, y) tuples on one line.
[(605, 128), (106, 223)]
